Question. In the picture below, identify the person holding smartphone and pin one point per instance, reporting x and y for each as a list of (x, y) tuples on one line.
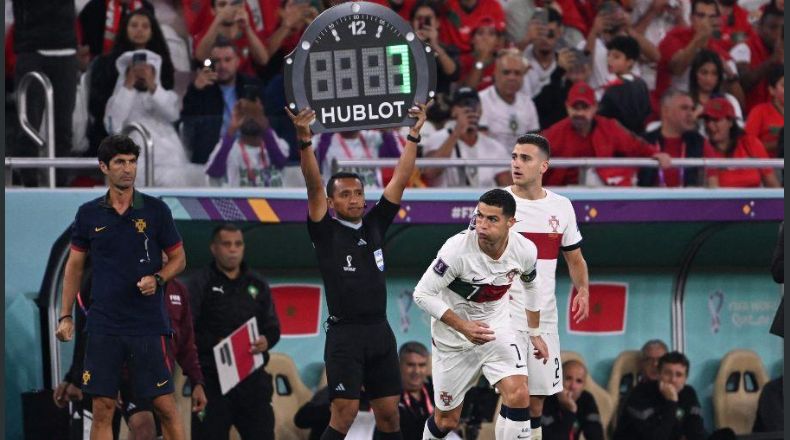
[(424, 20), (211, 98)]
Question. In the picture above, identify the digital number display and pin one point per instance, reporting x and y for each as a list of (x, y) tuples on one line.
[(359, 65)]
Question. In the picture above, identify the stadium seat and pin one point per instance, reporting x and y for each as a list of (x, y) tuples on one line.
[(736, 391), (602, 399), (290, 393), (622, 379)]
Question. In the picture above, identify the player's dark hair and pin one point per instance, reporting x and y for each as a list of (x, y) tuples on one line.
[(674, 357), (228, 227), (413, 347), (537, 140), (500, 198), (625, 44), (114, 145), (330, 184), (775, 73)]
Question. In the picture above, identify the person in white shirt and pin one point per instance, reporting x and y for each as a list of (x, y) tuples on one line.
[(548, 220), (464, 140), (354, 145), (507, 110), (139, 97), (466, 291)]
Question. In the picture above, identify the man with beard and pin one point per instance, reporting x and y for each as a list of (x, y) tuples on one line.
[(678, 137), (585, 134), (207, 111)]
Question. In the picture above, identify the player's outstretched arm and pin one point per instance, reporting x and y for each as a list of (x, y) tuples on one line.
[(577, 267), (316, 197), (394, 190), (72, 277)]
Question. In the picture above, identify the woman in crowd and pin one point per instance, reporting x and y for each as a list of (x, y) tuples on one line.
[(706, 81), (728, 140)]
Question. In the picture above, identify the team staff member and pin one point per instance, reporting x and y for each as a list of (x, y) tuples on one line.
[(225, 295), (125, 232), (572, 412), (360, 346), (138, 413), (416, 401), (548, 220)]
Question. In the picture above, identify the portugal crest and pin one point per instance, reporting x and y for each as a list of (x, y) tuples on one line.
[(140, 225)]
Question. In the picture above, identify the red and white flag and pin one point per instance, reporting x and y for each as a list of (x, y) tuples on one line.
[(233, 358)]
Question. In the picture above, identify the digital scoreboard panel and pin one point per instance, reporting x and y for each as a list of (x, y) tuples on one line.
[(359, 65)]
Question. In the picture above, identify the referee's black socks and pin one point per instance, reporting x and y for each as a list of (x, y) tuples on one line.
[(388, 435)]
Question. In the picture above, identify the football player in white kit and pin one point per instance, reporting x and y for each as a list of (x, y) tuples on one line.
[(548, 220), (465, 290)]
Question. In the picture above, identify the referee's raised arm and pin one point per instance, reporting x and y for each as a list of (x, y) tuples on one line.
[(400, 178), (316, 197)]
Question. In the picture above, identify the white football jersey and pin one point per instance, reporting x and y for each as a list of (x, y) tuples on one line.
[(463, 278), (550, 223)]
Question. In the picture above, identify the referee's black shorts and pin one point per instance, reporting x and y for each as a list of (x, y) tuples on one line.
[(361, 354)]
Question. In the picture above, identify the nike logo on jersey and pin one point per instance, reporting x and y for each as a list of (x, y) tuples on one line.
[(100, 229), (555, 384), (477, 280), (521, 366), (161, 384)]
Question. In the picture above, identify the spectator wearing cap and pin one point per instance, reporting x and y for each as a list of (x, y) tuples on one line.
[(682, 43), (461, 18), (425, 21), (766, 120), (572, 66), (678, 137), (610, 22), (477, 67), (625, 98), (463, 139), (728, 140), (585, 134), (232, 23), (755, 57), (508, 111)]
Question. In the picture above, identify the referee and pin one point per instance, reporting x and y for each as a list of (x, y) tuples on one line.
[(360, 346)]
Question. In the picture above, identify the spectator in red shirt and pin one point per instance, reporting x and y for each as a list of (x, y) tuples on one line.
[(729, 141), (678, 137), (462, 16), (425, 21), (682, 43), (735, 26), (755, 57), (766, 120), (585, 134), (232, 23), (477, 67)]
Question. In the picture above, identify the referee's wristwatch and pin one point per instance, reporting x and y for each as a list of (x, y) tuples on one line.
[(159, 280)]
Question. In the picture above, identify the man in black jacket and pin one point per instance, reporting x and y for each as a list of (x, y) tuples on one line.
[(210, 99), (416, 400), (225, 295), (666, 409), (678, 137), (573, 411)]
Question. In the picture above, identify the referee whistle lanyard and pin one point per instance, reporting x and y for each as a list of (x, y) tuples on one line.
[(251, 174), (681, 172), (428, 404)]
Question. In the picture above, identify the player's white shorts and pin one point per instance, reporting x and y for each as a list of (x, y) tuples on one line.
[(455, 372), (544, 379)]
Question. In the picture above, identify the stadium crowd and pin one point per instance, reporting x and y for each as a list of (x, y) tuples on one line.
[(636, 78)]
